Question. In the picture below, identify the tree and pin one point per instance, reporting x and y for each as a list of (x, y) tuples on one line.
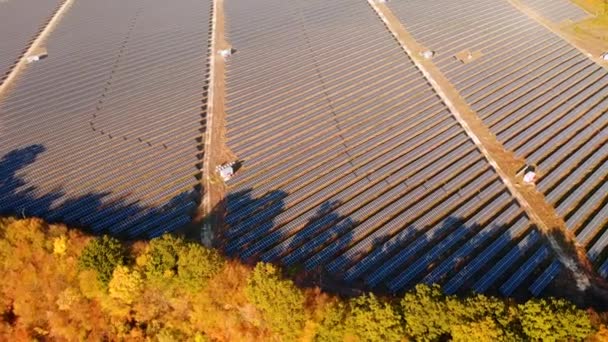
[(54, 294), (479, 312), (372, 320), (332, 327), (281, 303), (196, 265), (554, 320), (103, 254), (125, 285), (162, 256), (60, 245), (485, 330), (426, 313)]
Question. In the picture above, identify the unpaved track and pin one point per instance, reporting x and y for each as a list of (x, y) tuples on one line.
[(37, 43), (214, 151), (504, 162)]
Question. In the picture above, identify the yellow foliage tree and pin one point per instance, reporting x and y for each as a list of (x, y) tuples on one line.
[(125, 284), (207, 297), (60, 245), (68, 298), (485, 330)]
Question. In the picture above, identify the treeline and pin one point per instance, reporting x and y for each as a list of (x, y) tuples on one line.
[(60, 284)]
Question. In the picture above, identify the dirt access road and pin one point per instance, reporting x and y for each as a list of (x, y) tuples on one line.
[(36, 44), (215, 150)]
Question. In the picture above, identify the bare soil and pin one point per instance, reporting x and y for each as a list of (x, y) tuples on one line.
[(215, 151)]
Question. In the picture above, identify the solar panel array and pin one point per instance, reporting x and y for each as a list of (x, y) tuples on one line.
[(557, 10), (105, 132), (20, 22), (543, 99), (352, 164)]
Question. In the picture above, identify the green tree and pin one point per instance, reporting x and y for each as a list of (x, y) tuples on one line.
[(162, 256), (332, 327), (480, 311), (426, 312), (372, 320), (279, 300), (103, 254), (196, 265), (554, 320), (480, 306)]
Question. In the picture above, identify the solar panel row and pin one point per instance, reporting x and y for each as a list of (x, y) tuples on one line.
[(352, 162), (20, 22), (353, 165), (115, 111), (542, 98), (557, 10)]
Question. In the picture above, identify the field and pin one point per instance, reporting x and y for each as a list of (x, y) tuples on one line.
[(353, 168)]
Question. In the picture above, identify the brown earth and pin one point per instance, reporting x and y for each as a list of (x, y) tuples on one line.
[(215, 150)]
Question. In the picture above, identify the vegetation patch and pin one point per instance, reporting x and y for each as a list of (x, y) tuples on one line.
[(596, 27), (61, 284)]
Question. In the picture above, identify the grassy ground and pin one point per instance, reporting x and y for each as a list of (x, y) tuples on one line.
[(591, 33), (594, 27), (593, 6)]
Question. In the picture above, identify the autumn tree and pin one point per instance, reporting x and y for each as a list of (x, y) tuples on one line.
[(178, 290), (426, 313), (554, 320), (162, 256), (484, 330), (431, 315), (126, 284), (196, 264), (281, 303), (103, 254), (370, 319), (332, 327)]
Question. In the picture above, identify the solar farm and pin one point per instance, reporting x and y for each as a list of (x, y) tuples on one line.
[(105, 132), (353, 161)]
